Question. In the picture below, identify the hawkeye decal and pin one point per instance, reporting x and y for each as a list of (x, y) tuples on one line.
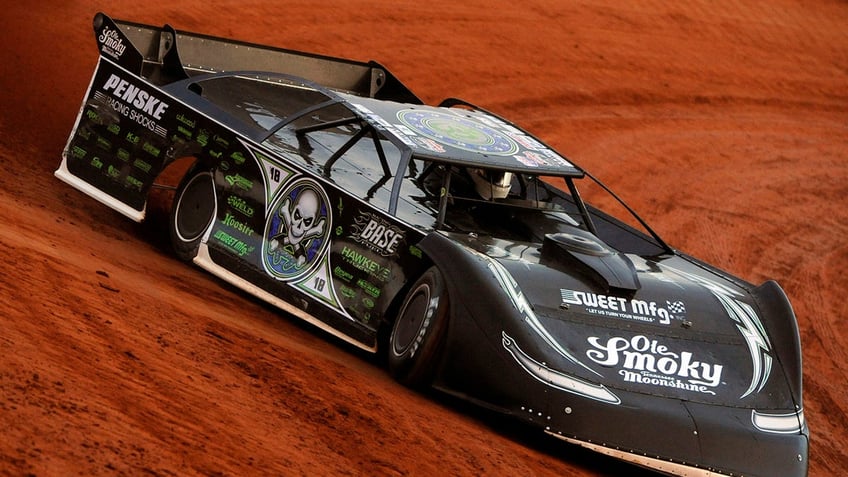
[(647, 361), (359, 261), (628, 309), (297, 230)]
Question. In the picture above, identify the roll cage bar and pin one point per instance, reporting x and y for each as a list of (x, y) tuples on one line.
[(366, 128)]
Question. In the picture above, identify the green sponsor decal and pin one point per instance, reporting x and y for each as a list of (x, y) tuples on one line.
[(114, 129), (185, 132), (347, 292), (96, 163), (368, 287), (415, 251), (133, 182), (104, 143), (188, 122), (240, 205), (92, 115), (365, 264), (343, 274), (233, 243), (123, 154), (238, 157), (78, 152), (231, 221), (203, 137), (144, 166), (238, 181), (222, 142), (215, 154), (132, 138), (151, 149), (113, 172), (84, 133)]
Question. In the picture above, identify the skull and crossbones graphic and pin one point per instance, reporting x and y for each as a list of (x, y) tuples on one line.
[(301, 222)]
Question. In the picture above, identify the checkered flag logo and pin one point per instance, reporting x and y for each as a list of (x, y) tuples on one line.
[(675, 308)]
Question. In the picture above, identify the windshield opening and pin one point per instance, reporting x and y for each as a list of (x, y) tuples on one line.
[(525, 208)]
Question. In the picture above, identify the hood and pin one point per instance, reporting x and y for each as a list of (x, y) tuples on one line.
[(661, 326)]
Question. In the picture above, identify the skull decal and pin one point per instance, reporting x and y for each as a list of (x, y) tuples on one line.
[(297, 230)]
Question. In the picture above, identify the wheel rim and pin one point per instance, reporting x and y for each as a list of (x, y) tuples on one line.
[(411, 320), (195, 208)]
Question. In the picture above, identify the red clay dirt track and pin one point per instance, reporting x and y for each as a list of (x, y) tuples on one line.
[(724, 123)]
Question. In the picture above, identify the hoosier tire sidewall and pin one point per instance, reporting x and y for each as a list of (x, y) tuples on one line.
[(415, 340), (195, 208)]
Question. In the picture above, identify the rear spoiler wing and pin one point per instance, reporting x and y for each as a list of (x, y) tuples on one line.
[(162, 55)]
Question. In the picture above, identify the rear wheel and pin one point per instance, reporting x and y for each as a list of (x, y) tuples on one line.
[(417, 335), (192, 213)]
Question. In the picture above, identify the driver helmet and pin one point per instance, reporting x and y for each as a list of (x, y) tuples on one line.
[(491, 184)]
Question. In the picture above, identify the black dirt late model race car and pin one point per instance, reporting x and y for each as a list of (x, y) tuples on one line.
[(449, 239)]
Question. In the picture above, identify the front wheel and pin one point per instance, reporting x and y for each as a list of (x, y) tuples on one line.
[(418, 332), (192, 213)]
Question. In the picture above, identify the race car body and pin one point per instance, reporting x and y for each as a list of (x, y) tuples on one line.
[(449, 239)]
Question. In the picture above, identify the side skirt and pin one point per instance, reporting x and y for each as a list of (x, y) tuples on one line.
[(204, 261), (664, 466)]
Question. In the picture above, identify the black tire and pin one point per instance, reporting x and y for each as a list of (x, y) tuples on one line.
[(192, 212), (418, 332)]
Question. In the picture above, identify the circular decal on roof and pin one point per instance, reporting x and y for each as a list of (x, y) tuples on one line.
[(297, 231), (461, 133)]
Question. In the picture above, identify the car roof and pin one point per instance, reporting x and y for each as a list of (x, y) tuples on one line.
[(466, 137), (460, 136)]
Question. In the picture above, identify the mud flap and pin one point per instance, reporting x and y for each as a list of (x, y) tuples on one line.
[(118, 145)]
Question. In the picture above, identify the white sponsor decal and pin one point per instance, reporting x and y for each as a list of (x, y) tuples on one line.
[(377, 234), (112, 43), (135, 96), (382, 123), (631, 309), (647, 361)]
